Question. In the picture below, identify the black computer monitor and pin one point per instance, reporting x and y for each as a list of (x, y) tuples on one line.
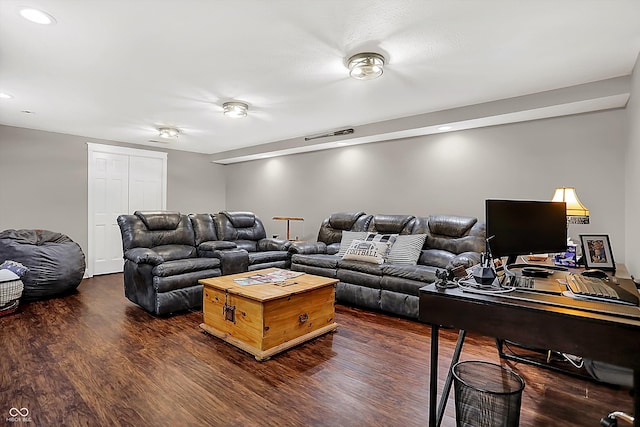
[(523, 227)]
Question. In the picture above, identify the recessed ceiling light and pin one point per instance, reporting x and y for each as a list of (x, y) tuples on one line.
[(37, 16), (235, 109), (168, 133), (5, 96), (444, 128)]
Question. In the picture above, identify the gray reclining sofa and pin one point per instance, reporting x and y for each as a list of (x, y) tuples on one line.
[(390, 287), (166, 253)]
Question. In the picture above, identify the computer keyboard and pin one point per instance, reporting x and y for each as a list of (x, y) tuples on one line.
[(599, 290)]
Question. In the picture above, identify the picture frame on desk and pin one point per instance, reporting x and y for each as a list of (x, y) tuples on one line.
[(596, 251)]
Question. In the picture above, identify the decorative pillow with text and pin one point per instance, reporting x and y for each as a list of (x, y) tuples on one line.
[(362, 250)]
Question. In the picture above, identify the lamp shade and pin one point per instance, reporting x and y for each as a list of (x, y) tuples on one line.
[(575, 208)]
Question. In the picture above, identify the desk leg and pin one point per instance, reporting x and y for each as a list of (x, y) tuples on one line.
[(447, 384), (435, 416), (433, 377), (636, 398)]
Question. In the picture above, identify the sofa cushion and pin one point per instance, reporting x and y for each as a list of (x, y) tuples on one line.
[(391, 223), (421, 273), (173, 252), (367, 251), (247, 245), (360, 266), (267, 256), (344, 220), (316, 260), (160, 220), (436, 257), (406, 249), (204, 228), (450, 225), (216, 245), (347, 238), (172, 268), (241, 219)]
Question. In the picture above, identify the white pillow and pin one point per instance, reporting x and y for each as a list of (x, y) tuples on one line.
[(406, 249), (361, 250), (347, 238)]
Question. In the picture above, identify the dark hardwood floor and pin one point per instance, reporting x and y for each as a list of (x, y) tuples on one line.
[(95, 359)]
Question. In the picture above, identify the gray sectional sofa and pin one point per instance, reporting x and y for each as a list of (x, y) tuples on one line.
[(391, 286), (166, 253)]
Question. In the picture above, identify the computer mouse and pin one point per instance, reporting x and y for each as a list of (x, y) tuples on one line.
[(594, 272)]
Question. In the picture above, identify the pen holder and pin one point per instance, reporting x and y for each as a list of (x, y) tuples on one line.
[(484, 275)]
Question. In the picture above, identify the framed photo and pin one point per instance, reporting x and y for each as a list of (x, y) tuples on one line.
[(596, 251)]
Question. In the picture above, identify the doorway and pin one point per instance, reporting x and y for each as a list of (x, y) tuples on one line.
[(121, 181)]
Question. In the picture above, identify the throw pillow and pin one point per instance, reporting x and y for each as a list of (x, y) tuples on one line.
[(361, 250), (14, 266), (406, 249), (378, 237), (347, 238)]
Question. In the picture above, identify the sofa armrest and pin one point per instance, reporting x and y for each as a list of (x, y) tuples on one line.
[(143, 256), (271, 244), (216, 245), (465, 259), (232, 261), (306, 248)]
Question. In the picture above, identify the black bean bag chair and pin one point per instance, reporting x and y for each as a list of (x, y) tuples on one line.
[(56, 263)]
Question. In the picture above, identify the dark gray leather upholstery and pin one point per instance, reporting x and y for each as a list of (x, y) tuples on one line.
[(162, 268), (451, 241), (330, 233), (246, 230)]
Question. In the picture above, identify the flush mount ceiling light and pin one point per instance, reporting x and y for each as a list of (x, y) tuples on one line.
[(37, 16), (235, 109), (168, 133), (366, 66), (4, 95)]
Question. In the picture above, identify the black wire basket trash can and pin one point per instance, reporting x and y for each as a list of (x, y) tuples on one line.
[(486, 395)]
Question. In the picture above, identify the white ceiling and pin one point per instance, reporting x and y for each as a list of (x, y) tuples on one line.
[(119, 69)]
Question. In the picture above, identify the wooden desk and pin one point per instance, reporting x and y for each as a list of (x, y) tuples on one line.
[(545, 321), (288, 219)]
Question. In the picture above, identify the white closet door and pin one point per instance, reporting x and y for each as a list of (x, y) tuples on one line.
[(110, 199), (121, 181), (145, 184)]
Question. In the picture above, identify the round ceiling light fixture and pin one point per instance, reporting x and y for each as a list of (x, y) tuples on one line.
[(37, 16), (235, 109), (168, 133), (366, 66)]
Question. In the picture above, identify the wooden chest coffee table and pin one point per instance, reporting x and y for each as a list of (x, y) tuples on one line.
[(267, 318)]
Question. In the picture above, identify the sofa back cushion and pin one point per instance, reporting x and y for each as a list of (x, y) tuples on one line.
[(174, 229), (331, 228), (451, 233), (204, 228), (159, 220), (398, 224), (234, 226)]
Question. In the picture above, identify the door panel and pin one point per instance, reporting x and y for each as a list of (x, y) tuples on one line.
[(110, 199)]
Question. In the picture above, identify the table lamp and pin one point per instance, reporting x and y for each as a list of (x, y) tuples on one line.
[(577, 213)]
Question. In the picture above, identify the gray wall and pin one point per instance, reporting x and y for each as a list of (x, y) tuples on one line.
[(633, 176), (449, 173), (43, 178)]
